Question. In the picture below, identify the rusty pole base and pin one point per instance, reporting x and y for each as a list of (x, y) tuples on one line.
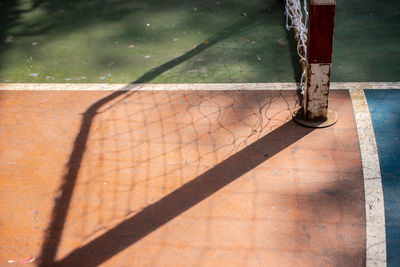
[(298, 117)]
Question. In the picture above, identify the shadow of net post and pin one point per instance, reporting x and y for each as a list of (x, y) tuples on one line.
[(62, 203), (154, 216)]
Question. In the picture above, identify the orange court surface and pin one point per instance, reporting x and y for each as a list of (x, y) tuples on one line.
[(178, 178), (167, 133)]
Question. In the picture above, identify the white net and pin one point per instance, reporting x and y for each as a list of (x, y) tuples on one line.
[(294, 12)]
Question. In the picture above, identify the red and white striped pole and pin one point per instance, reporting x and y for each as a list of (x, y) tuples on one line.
[(319, 58)]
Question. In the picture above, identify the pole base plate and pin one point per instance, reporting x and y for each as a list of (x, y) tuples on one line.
[(298, 117)]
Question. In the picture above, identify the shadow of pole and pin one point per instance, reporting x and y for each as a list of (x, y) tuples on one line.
[(145, 222), (169, 207)]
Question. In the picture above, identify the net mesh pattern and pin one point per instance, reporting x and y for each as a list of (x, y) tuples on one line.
[(171, 138)]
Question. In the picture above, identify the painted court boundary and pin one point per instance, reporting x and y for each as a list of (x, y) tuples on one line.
[(180, 87), (374, 202)]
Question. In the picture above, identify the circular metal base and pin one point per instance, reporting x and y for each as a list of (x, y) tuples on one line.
[(298, 117)]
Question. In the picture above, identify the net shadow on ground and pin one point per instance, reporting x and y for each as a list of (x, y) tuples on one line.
[(169, 207), (164, 154), (62, 203)]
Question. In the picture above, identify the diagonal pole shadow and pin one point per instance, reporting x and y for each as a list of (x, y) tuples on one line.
[(169, 207), (63, 201)]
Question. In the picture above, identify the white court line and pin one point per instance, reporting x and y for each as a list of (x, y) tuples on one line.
[(182, 87), (374, 204)]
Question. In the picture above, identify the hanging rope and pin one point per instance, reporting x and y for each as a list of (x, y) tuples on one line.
[(293, 12)]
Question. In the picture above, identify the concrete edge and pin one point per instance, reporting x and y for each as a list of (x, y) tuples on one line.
[(181, 87)]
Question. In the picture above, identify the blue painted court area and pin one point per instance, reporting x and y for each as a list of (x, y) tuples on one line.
[(384, 106)]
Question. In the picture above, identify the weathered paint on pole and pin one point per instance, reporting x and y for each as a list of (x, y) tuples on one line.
[(317, 91)]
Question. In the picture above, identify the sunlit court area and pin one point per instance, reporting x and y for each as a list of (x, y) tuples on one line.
[(200, 133)]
